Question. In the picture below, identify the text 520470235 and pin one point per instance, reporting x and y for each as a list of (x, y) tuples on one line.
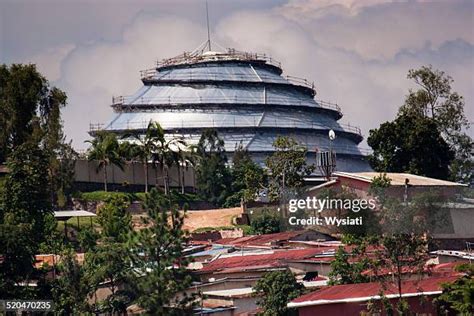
[(27, 305)]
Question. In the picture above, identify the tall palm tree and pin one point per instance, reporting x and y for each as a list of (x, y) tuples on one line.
[(105, 150), (168, 153), (148, 141)]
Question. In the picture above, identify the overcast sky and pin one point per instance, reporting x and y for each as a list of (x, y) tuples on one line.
[(357, 52)]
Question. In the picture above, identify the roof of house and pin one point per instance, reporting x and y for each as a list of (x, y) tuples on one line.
[(275, 259), (73, 213), (266, 240), (231, 293), (398, 179), (260, 240), (362, 292), (454, 253)]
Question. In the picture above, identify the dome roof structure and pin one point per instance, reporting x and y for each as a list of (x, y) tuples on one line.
[(245, 97)]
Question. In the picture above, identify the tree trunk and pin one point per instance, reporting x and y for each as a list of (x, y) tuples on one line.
[(105, 177), (167, 181), (145, 167), (179, 176), (182, 180)]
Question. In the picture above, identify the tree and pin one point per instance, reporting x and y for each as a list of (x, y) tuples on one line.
[(458, 296), (109, 265), (28, 107), (266, 223), (109, 262), (148, 143), (287, 166), (435, 100), (401, 254), (248, 178), (158, 258), (114, 219), (348, 267), (26, 218), (410, 144), (277, 289), (70, 289), (30, 111), (169, 153), (62, 173), (212, 174), (105, 150)]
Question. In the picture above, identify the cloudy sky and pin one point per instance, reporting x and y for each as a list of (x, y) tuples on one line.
[(356, 51)]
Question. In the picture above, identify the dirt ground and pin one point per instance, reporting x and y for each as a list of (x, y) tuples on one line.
[(199, 219)]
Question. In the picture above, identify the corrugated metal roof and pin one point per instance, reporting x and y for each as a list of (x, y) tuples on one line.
[(399, 178), (74, 213), (275, 259), (366, 291)]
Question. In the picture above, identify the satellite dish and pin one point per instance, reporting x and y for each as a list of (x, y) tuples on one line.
[(332, 135)]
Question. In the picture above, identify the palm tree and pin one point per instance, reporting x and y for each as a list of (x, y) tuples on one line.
[(105, 150), (168, 153), (147, 142)]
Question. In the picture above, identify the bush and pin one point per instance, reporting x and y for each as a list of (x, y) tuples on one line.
[(97, 196), (266, 223), (212, 229)]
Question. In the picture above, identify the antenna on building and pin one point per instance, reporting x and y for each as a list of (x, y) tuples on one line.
[(208, 30), (326, 160)]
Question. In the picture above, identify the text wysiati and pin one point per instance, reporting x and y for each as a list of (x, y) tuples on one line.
[(316, 206)]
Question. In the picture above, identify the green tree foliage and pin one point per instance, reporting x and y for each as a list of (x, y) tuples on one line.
[(348, 266), (410, 144), (114, 219), (25, 215), (458, 296), (433, 106), (248, 178), (28, 107), (212, 174), (109, 266), (105, 149), (275, 290), (287, 166), (109, 263), (147, 145), (62, 173), (70, 289), (399, 254), (265, 223), (158, 258), (30, 111)]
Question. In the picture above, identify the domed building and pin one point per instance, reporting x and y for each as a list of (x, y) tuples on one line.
[(245, 97)]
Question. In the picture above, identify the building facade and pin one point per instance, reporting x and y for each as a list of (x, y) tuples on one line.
[(245, 97)]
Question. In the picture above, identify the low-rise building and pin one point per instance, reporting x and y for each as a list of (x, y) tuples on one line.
[(353, 299)]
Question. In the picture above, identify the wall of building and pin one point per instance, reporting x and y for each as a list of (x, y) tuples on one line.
[(303, 268), (351, 309), (133, 174)]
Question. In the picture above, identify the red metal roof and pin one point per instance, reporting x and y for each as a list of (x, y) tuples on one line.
[(435, 269), (340, 293), (276, 259), (260, 240)]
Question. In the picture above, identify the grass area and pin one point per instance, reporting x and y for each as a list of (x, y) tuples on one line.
[(211, 229), (73, 223), (98, 196)]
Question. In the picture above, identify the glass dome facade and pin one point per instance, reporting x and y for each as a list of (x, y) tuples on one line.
[(245, 98)]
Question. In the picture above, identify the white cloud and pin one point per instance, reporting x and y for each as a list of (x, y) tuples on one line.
[(92, 74), (358, 54), (49, 62)]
